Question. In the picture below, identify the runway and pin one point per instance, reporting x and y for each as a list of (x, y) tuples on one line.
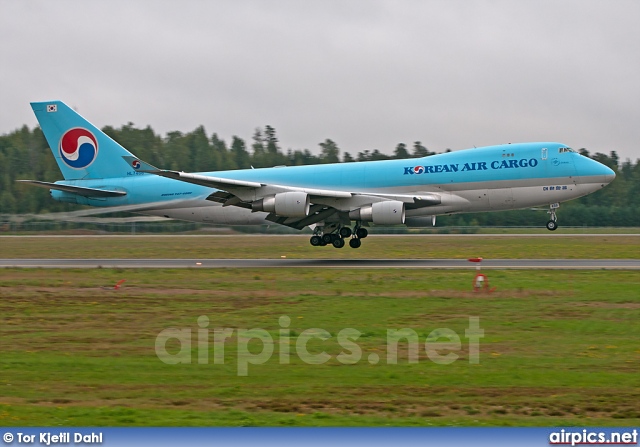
[(575, 264)]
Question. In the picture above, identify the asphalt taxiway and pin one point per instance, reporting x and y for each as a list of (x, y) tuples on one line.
[(575, 264)]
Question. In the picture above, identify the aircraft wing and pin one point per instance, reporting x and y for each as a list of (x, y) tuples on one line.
[(236, 187), (230, 184), (297, 206), (249, 191), (203, 180)]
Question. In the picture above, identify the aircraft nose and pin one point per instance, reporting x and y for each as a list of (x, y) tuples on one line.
[(609, 174)]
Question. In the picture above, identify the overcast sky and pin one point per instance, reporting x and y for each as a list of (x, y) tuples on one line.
[(367, 74)]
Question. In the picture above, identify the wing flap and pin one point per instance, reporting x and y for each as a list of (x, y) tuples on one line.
[(316, 214), (228, 199)]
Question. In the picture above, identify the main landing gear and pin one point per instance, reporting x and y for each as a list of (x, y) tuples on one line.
[(337, 237), (552, 224)]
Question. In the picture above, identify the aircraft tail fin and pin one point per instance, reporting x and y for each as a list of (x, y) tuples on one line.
[(81, 150)]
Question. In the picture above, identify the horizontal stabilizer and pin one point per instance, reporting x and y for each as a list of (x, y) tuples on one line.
[(80, 190)]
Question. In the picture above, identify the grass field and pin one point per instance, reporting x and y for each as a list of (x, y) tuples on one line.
[(405, 247), (559, 347)]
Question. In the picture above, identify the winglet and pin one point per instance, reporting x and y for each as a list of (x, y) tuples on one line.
[(139, 165)]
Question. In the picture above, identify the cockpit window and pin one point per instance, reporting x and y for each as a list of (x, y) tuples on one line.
[(565, 149)]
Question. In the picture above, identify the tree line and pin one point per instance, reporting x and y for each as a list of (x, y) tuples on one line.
[(25, 154)]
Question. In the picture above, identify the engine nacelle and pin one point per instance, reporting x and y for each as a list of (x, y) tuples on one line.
[(287, 204), (420, 221), (389, 212)]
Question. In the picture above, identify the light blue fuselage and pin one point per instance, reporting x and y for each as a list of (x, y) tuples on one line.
[(482, 179)]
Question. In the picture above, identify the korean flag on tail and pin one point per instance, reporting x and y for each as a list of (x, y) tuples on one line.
[(52, 107)]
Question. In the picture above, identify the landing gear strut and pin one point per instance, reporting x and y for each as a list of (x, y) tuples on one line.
[(359, 233), (552, 224)]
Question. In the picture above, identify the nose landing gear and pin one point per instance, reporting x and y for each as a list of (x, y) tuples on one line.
[(552, 224)]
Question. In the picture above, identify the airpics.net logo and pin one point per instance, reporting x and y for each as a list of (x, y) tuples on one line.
[(257, 346), (592, 437)]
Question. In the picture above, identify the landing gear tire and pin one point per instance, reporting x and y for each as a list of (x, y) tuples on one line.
[(315, 240), (338, 242), (327, 238), (362, 233), (355, 243), (552, 225), (345, 232)]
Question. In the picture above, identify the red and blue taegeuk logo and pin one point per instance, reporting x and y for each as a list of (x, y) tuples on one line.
[(78, 148)]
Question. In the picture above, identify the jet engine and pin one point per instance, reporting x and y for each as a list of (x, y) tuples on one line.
[(389, 212), (287, 204)]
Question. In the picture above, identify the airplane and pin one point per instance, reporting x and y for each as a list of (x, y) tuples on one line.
[(337, 201)]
